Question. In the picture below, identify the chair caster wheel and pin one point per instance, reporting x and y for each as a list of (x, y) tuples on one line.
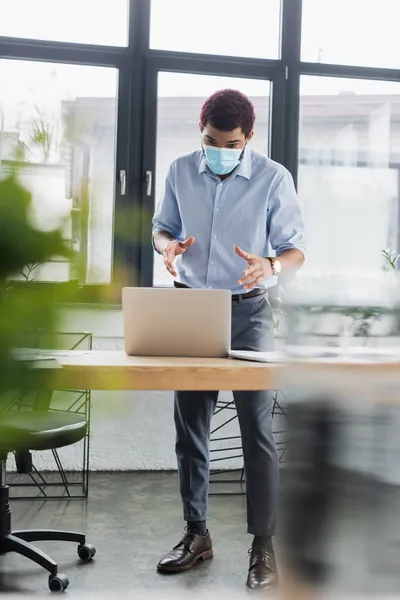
[(86, 552), (58, 584)]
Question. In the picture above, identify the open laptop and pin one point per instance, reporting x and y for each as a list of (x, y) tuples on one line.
[(177, 322)]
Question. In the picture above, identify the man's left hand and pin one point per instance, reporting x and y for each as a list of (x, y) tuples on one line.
[(258, 270)]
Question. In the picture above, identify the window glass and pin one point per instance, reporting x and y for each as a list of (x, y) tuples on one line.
[(103, 22), (228, 27), (351, 32), (349, 172), (58, 123), (180, 98)]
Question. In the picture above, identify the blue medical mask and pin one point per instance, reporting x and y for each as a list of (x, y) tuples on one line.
[(222, 161)]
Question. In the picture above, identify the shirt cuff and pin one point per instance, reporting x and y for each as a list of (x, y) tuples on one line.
[(155, 230), (301, 248)]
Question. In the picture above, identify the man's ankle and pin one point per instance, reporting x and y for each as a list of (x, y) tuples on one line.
[(198, 527), (263, 542)]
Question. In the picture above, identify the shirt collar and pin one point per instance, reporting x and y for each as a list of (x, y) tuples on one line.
[(243, 169)]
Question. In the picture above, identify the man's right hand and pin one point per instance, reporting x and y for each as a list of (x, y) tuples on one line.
[(174, 249)]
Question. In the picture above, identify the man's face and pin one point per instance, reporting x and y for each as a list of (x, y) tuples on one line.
[(224, 139)]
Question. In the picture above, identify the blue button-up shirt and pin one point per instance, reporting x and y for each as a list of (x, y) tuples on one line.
[(256, 208)]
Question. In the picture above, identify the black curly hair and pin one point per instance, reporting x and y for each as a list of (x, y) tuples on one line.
[(227, 110)]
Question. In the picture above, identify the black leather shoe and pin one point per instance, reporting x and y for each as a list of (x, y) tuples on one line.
[(263, 575), (184, 556)]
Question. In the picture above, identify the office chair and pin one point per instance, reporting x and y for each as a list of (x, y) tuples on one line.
[(21, 432)]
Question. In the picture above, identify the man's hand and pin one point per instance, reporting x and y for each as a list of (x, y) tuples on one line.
[(257, 271), (174, 249)]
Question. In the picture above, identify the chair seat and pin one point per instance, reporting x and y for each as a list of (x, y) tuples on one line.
[(31, 430)]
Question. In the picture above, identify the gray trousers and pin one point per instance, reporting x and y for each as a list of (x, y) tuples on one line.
[(252, 329)]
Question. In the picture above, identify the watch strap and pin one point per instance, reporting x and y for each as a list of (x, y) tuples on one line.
[(272, 260)]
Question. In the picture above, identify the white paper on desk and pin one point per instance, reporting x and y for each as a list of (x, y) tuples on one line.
[(36, 354), (349, 353), (264, 357)]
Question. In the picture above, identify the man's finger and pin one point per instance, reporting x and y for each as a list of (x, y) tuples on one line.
[(245, 255), (253, 267), (251, 277), (254, 283), (169, 252), (189, 242), (169, 263), (169, 259), (241, 253), (171, 269)]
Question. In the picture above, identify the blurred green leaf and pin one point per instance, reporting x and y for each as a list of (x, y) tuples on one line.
[(27, 311), (20, 243), (391, 258)]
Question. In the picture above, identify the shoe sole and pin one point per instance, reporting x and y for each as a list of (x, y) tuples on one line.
[(203, 556), (272, 589), (262, 591)]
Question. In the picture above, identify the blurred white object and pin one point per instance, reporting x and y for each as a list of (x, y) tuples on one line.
[(264, 357)]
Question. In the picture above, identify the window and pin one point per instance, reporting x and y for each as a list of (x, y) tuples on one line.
[(224, 27), (58, 117), (58, 122), (180, 97), (351, 32), (349, 172), (102, 22)]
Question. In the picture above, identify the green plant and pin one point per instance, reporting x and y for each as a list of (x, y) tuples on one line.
[(363, 317), (391, 258), (28, 271), (43, 133), (24, 308)]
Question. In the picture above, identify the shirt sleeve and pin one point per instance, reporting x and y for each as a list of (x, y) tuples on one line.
[(167, 216), (285, 226)]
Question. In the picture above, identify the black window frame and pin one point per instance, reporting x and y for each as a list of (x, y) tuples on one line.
[(137, 65), (208, 65)]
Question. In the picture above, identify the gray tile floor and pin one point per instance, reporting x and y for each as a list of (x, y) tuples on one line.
[(132, 519)]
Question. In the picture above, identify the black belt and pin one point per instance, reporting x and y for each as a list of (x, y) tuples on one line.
[(235, 297)]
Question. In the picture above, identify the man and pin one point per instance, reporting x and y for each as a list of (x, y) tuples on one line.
[(231, 218)]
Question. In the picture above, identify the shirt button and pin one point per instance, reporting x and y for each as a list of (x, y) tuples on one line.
[(210, 287), (214, 237), (217, 209), (213, 262)]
